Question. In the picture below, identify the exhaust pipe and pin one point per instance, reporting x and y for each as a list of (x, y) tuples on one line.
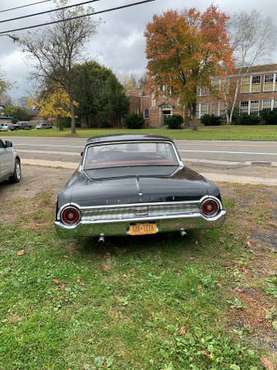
[(101, 239), (183, 232)]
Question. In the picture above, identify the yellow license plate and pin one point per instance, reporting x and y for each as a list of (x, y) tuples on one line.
[(143, 229)]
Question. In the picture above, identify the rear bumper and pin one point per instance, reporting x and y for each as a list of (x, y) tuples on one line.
[(165, 224)]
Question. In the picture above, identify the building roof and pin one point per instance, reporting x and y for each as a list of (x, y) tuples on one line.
[(260, 68), (117, 138)]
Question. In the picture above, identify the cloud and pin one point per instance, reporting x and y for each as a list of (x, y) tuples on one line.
[(119, 42)]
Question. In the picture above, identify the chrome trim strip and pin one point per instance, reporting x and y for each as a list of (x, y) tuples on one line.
[(120, 227), (186, 216), (107, 206), (220, 213)]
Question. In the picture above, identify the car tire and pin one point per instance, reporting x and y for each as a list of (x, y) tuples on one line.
[(17, 173)]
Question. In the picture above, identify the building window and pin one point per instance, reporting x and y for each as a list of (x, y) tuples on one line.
[(214, 109), (204, 91), (256, 83), (269, 78), (221, 109), (167, 110), (204, 109), (268, 82), (215, 84), (146, 113), (275, 104), (256, 79), (254, 107), (266, 104), (198, 111), (244, 106), (245, 85)]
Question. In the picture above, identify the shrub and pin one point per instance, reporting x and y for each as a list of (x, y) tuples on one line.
[(211, 120), (269, 117), (246, 119), (235, 116), (134, 121), (174, 122)]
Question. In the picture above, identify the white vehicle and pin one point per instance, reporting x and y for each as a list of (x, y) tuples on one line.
[(4, 127), (10, 163), (42, 125)]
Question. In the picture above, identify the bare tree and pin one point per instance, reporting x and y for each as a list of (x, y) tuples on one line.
[(4, 85), (56, 49), (253, 39)]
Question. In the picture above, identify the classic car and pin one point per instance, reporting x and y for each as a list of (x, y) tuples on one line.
[(10, 164), (135, 185), (24, 125)]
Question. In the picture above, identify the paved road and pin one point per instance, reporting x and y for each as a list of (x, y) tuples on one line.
[(69, 149)]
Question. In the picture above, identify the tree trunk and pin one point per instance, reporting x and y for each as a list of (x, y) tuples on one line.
[(60, 123), (194, 124), (234, 102), (73, 120)]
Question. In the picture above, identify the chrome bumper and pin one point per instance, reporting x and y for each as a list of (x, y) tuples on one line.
[(121, 227)]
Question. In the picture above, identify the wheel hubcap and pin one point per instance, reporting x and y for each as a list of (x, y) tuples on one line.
[(18, 171)]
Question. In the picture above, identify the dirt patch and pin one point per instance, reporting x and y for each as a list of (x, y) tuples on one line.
[(39, 185), (253, 317), (253, 219), (255, 308)]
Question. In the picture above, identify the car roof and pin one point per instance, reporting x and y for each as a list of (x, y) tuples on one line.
[(122, 137)]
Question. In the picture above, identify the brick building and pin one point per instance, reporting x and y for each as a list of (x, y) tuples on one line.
[(154, 109), (258, 90)]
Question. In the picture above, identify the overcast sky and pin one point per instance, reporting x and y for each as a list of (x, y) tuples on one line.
[(119, 42)]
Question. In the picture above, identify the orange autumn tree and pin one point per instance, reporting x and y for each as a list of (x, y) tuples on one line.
[(185, 49)]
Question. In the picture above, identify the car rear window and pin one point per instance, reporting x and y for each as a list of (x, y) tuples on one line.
[(130, 154)]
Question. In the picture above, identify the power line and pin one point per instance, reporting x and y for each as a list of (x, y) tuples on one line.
[(47, 11), (76, 17), (25, 6)]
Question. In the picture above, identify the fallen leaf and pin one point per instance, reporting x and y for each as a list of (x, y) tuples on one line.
[(106, 267), (56, 281), (80, 281), (183, 331), (249, 243), (14, 319), (239, 290), (268, 365), (20, 253), (206, 354)]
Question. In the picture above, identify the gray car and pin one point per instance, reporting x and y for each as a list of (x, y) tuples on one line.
[(10, 163)]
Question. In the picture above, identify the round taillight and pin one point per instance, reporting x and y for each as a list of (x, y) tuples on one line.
[(210, 207), (70, 216)]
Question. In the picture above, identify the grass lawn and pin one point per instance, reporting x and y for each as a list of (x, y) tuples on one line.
[(205, 301), (235, 132)]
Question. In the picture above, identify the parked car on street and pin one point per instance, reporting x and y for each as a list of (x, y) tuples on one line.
[(135, 185), (24, 125), (10, 163), (4, 127), (13, 126), (44, 125)]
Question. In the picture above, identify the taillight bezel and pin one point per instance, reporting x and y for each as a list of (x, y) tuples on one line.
[(215, 212), (75, 221)]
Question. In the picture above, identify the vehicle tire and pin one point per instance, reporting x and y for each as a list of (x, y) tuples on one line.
[(17, 174)]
